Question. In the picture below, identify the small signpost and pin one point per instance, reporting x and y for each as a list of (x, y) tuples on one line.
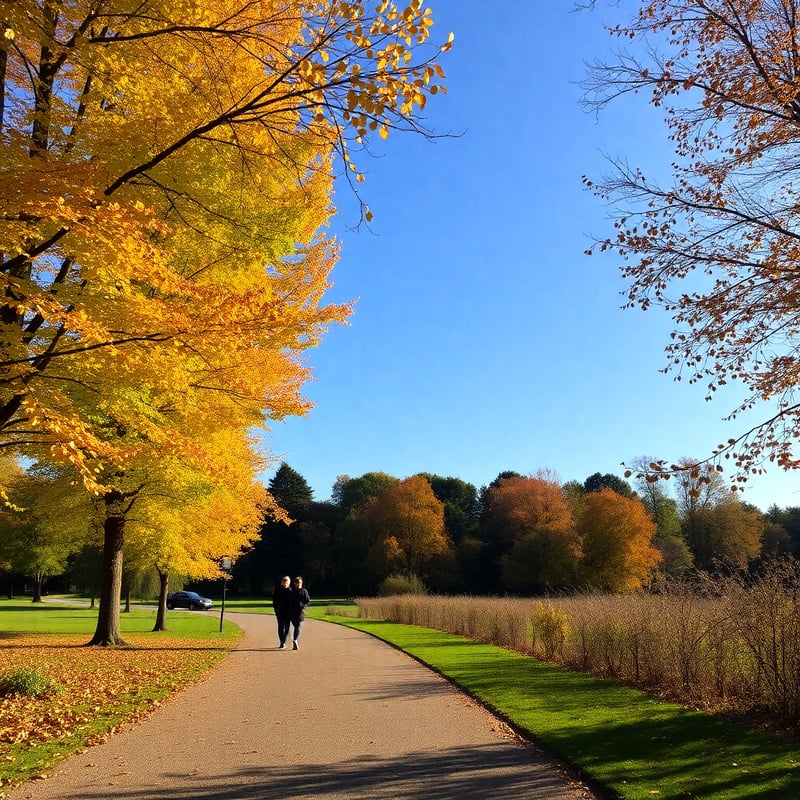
[(225, 564)]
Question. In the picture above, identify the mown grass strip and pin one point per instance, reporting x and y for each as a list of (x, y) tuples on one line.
[(56, 616), (262, 605), (620, 738)]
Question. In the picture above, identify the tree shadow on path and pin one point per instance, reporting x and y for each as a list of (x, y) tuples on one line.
[(474, 773)]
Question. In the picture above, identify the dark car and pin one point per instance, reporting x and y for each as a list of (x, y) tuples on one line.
[(190, 600)]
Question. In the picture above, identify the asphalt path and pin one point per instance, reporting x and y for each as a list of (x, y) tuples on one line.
[(345, 716)]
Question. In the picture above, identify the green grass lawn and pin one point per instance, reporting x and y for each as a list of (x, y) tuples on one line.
[(53, 616), (263, 605), (617, 737)]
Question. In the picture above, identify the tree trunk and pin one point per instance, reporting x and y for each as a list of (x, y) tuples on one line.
[(38, 581), (107, 632), (161, 614)]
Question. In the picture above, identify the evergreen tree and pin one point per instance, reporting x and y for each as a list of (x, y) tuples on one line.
[(291, 491), (597, 482)]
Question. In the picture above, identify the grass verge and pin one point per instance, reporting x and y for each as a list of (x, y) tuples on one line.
[(263, 605), (619, 738), (102, 687)]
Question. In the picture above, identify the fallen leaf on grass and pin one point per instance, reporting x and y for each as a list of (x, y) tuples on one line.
[(108, 683)]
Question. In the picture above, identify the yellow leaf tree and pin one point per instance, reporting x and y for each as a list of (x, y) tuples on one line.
[(34, 541), (716, 525), (186, 520), (166, 177)]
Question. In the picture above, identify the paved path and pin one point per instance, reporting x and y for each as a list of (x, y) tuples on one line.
[(346, 716)]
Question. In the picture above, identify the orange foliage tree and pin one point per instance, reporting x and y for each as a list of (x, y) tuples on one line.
[(717, 244), (617, 533), (533, 519), (407, 523)]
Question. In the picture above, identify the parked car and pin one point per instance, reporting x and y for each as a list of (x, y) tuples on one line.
[(190, 600)]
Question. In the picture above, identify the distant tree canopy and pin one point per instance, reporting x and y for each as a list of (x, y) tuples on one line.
[(350, 494), (789, 520), (461, 504), (533, 519), (520, 534), (526, 535), (407, 522), (617, 535)]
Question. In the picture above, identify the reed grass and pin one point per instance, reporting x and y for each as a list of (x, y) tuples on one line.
[(729, 643)]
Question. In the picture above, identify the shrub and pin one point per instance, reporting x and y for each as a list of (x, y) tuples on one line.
[(550, 629), (28, 682), (401, 584)]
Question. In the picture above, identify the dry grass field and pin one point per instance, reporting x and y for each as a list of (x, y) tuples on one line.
[(729, 643)]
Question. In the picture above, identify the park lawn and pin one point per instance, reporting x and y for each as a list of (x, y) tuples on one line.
[(263, 605), (619, 738), (247, 605), (102, 688)]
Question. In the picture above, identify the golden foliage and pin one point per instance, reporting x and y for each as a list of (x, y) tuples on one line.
[(408, 519), (165, 180), (617, 533)]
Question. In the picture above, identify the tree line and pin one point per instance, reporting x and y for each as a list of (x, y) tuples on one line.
[(521, 534)]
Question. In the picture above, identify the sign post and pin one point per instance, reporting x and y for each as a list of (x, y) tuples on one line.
[(225, 564)]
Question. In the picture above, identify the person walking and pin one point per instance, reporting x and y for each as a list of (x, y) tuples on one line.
[(300, 599), (282, 605)]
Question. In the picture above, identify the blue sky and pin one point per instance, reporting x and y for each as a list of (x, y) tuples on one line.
[(483, 338)]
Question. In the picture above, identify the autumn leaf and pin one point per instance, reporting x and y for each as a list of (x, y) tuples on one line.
[(96, 684)]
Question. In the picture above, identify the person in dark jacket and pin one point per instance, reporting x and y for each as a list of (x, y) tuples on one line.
[(300, 599), (282, 604)]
